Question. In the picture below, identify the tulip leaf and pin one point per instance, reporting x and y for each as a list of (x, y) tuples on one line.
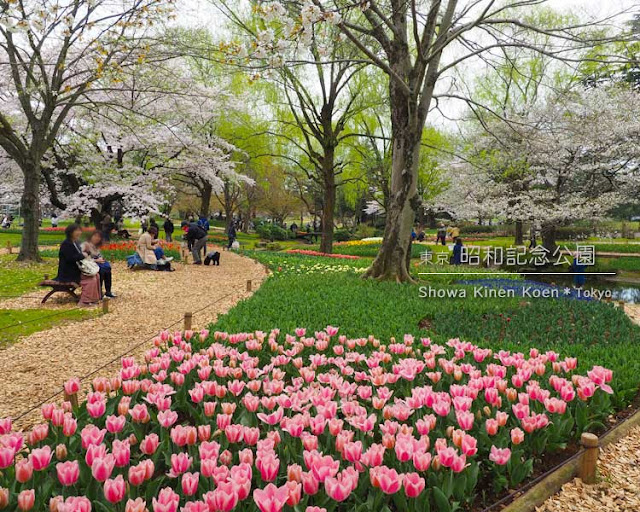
[(442, 503)]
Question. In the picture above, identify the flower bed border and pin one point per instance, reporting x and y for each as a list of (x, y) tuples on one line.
[(565, 472)]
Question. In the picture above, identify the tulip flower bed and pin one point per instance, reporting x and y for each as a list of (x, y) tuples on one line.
[(290, 263), (120, 250), (305, 252), (308, 422)]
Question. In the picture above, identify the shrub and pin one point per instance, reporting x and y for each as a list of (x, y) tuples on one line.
[(341, 235)]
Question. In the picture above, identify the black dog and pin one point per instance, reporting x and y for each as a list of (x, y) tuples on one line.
[(212, 257)]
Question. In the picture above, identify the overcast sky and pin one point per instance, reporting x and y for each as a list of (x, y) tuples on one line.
[(202, 14)]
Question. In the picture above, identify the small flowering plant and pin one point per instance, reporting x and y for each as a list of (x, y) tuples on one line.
[(307, 422), (308, 252)]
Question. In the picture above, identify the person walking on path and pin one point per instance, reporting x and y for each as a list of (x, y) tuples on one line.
[(196, 237), (231, 232), (168, 230)]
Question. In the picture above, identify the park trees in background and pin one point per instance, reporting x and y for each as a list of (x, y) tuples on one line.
[(419, 47), (52, 54), (315, 98), (579, 154)]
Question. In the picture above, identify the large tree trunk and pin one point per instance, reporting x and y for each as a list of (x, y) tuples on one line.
[(326, 243), (519, 238), (30, 206), (549, 237), (205, 199), (392, 262)]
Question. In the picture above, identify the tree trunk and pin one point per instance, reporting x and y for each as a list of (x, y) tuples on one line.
[(205, 199), (549, 238), (392, 262), (519, 238), (326, 243), (30, 206)]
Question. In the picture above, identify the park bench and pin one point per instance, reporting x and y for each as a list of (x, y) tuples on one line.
[(58, 286)]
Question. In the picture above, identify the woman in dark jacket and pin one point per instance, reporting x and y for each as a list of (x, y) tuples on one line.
[(69, 256)]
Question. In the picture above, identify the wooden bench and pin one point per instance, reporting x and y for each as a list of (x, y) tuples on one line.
[(58, 286)]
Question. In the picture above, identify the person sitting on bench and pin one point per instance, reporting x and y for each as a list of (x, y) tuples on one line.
[(69, 256)]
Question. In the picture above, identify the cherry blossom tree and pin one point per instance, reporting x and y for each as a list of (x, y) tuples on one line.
[(578, 153), (420, 46), (52, 56)]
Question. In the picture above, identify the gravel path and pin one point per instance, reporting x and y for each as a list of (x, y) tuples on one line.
[(36, 366), (618, 488)]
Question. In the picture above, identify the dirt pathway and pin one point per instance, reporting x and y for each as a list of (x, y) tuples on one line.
[(618, 488), (36, 366)]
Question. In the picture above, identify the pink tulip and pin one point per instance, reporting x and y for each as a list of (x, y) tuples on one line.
[(388, 480), (469, 445), (69, 425), (137, 505), (195, 506), (324, 467), (271, 498), (114, 489), (102, 467), (137, 475), (91, 435), (499, 455), (26, 499), (491, 426), (295, 493), (5, 426), (150, 444), (68, 472), (517, 436), (421, 461), (76, 504), (72, 386), (40, 458), (24, 470), (180, 462), (167, 501), (4, 497), (224, 498), (338, 489), (190, 483), (413, 484), (310, 485), (115, 424), (122, 452)]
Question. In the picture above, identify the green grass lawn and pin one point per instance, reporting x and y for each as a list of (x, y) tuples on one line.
[(594, 332), (15, 323), (17, 278), (21, 278)]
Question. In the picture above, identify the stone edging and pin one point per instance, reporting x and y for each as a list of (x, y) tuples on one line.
[(551, 484)]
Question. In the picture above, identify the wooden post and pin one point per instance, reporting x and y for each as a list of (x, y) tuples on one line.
[(73, 399), (9, 247), (589, 459), (248, 285), (105, 304), (188, 317)]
